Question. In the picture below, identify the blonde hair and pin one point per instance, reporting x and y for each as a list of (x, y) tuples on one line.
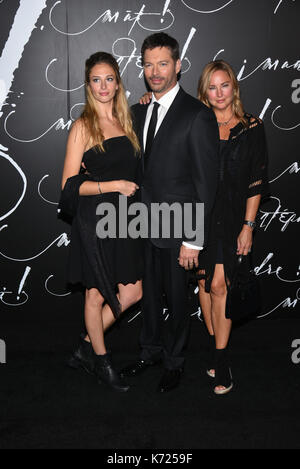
[(121, 110), (204, 81)]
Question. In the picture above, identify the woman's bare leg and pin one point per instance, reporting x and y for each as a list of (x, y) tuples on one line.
[(128, 295), (93, 319), (205, 305), (221, 325)]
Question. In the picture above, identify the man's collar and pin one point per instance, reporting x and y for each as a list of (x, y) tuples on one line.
[(167, 99)]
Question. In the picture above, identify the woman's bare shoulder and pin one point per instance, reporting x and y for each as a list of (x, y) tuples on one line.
[(78, 132)]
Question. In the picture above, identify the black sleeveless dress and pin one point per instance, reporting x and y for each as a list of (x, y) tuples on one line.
[(98, 262)]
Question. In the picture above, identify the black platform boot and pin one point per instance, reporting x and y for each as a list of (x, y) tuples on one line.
[(211, 359), (83, 356), (107, 374), (223, 375)]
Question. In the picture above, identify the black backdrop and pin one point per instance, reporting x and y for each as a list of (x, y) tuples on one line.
[(44, 45)]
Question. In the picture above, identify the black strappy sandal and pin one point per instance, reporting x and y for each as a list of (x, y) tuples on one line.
[(223, 376)]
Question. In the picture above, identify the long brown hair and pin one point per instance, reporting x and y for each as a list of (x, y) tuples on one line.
[(204, 81), (121, 110)]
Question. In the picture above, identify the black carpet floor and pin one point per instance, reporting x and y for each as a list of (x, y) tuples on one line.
[(45, 405)]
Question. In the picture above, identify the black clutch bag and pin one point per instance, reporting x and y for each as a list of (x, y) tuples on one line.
[(244, 294)]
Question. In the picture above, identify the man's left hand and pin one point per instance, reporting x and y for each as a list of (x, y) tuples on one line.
[(188, 258)]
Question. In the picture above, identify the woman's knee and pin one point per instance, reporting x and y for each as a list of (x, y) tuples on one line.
[(201, 285), (93, 297), (218, 287), (134, 297), (131, 295)]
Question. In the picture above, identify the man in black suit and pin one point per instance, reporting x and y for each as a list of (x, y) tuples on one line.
[(179, 137)]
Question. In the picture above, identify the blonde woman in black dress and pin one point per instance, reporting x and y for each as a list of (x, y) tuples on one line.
[(242, 182), (102, 141)]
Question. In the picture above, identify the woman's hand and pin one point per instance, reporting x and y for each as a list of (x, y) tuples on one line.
[(244, 241), (127, 188), (146, 98)]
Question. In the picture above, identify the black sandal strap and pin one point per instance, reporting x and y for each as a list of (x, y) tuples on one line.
[(211, 349), (223, 372)]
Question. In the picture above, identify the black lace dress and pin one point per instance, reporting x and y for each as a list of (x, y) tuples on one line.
[(242, 174), (98, 262)]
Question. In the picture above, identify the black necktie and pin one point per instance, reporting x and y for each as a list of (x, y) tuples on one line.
[(151, 131)]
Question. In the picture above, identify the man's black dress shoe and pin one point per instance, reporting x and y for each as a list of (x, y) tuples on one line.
[(137, 367), (169, 380)]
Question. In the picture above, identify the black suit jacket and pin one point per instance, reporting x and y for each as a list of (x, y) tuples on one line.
[(184, 159)]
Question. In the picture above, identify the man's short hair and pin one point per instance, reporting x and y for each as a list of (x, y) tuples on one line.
[(161, 40)]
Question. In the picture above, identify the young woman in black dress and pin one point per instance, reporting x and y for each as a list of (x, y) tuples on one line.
[(103, 142), (242, 182)]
